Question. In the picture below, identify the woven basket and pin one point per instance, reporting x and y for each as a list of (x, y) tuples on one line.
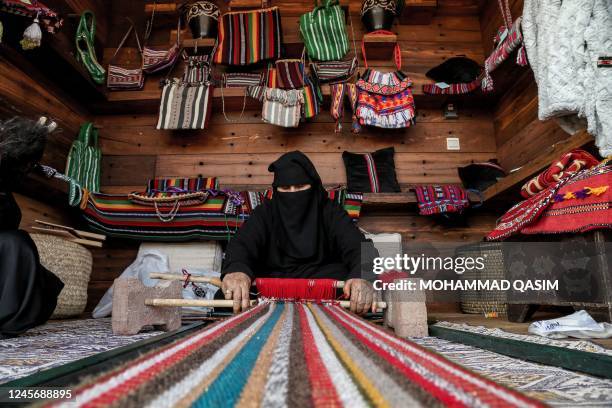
[(72, 264), (480, 302)]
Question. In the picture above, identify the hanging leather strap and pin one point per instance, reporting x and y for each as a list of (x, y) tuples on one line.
[(397, 53), (504, 8), (125, 37)]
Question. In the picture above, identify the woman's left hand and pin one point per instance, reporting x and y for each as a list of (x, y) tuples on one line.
[(361, 294)]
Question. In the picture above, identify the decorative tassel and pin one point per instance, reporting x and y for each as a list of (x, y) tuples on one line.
[(521, 57), (338, 127), (32, 36), (487, 83)]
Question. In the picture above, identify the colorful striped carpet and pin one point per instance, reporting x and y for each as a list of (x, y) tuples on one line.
[(297, 355)]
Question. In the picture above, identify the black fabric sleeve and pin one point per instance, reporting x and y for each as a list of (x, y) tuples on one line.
[(355, 252), (245, 248)]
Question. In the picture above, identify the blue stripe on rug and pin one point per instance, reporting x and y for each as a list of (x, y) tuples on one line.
[(226, 389)]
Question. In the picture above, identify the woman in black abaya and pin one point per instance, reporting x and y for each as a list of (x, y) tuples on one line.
[(299, 233), (28, 291)]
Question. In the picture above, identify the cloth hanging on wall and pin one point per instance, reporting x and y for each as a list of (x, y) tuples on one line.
[(293, 354), (565, 42)]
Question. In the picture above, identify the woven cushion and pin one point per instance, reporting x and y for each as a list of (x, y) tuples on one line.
[(373, 172), (71, 263), (206, 255)]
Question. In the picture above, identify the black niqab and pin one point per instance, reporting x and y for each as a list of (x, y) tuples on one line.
[(297, 221)]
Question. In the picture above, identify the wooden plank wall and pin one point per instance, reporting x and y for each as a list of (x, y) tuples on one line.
[(520, 136), (24, 92)]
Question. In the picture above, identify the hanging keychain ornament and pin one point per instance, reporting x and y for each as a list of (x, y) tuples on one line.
[(32, 36)]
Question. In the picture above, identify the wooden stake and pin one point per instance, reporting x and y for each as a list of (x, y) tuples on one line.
[(224, 303)]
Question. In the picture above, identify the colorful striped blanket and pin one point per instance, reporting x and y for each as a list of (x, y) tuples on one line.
[(296, 355), (217, 218)]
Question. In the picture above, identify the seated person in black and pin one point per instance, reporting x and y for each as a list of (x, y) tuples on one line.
[(299, 233), (28, 291)]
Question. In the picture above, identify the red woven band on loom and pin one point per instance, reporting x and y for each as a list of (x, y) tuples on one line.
[(296, 289)]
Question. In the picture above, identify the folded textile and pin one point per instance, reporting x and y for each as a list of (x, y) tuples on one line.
[(569, 206), (441, 199), (584, 203), (567, 165)]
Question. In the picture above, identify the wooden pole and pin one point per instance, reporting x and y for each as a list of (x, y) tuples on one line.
[(224, 303), (174, 277), (204, 279)]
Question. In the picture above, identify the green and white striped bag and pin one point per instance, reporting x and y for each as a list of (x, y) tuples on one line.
[(324, 32), (83, 164)]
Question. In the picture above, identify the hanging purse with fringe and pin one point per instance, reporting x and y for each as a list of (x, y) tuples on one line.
[(282, 107)]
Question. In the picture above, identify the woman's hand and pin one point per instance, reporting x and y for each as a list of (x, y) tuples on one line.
[(361, 294), (236, 287)]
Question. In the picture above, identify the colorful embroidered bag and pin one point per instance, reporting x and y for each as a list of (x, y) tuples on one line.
[(157, 60), (333, 71), (282, 107), (324, 32), (185, 103), (384, 99), (122, 78), (247, 37)]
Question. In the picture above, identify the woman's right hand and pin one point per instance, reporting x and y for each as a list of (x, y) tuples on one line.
[(236, 287)]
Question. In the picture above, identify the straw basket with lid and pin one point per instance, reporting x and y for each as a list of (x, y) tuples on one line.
[(71, 263)]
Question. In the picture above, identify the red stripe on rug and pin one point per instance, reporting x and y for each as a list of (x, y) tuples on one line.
[(323, 390), (470, 388), (437, 392)]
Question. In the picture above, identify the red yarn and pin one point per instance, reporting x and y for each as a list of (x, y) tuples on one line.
[(296, 289)]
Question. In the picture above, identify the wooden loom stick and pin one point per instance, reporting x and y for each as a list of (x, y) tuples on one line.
[(205, 279), (173, 277), (226, 303)]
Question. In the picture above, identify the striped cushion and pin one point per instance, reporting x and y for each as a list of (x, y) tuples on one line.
[(371, 172)]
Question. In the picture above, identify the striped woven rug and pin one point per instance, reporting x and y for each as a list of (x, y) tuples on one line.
[(298, 355)]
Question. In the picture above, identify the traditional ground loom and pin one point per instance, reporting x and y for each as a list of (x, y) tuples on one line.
[(293, 355), (136, 306)]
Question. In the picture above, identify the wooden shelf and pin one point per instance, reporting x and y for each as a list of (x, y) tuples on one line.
[(389, 200), (418, 12), (516, 179)]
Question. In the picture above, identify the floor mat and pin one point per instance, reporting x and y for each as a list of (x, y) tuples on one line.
[(59, 342), (555, 386), (581, 345)]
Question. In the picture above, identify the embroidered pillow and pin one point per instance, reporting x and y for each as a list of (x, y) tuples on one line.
[(371, 172), (182, 185)]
